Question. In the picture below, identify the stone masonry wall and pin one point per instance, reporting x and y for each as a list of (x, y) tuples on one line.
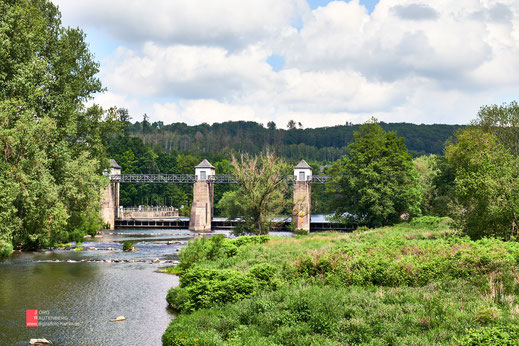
[(302, 203)]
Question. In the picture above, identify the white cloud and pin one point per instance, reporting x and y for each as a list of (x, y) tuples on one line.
[(205, 61), (202, 111), (228, 23), (181, 71)]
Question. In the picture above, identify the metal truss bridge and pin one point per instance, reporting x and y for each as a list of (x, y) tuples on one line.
[(190, 179)]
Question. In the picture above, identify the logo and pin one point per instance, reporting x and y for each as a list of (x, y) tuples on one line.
[(31, 318)]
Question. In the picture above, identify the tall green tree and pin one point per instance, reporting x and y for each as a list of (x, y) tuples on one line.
[(261, 194), (376, 182), (487, 184), (503, 122), (51, 147)]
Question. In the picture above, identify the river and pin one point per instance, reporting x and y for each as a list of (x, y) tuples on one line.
[(80, 298), (79, 293)]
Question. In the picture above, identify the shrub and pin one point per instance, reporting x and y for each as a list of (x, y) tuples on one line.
[(128, 245), (487, 315), (301, 231), (202, 249), (200, 288), (6, 249), (219, 246), (76, 235), (362, 229), (264, 275), (195, 251), (498, 335), (431, 222), (248, 239)]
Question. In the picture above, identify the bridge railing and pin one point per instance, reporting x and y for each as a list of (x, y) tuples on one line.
[(153, 178), (189, 179), (223, 179), (147, 208)]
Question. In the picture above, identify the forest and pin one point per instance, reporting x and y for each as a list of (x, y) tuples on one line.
[(324, 144)]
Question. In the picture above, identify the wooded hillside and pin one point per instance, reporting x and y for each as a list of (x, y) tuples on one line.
[(325, 144)]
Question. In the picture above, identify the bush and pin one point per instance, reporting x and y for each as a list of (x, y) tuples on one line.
[(251, 239), (498, 335), (195, 251), (128, 245), (200, 288), (301, 231), (202, 249), (76, 236), (431, 222), (6, 249), (264, 274)]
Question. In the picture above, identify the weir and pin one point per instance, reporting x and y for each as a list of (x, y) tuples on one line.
[(201, 216)]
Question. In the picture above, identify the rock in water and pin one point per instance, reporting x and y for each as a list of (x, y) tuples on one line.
[(119, 319), (42, 341)]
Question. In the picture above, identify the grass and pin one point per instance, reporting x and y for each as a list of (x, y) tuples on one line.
[(415, 283), (301, 314)]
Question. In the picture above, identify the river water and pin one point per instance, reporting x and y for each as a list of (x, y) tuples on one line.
[(79, 293)]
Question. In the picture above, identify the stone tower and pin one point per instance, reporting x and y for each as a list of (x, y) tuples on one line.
[(110, 197), (302, 196), (203, 192)]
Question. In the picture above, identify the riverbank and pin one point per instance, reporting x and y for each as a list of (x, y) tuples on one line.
[(416, 283)]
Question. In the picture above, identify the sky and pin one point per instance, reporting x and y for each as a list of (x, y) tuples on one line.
[(318, 62)]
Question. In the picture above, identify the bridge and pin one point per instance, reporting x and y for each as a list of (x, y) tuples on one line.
[(201, 218)]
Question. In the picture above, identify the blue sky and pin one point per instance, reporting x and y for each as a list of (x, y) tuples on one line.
[(322, 62), (369, 4)]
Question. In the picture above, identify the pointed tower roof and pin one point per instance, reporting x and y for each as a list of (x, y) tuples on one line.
[(303, 165), (205, 164), (114, 164)]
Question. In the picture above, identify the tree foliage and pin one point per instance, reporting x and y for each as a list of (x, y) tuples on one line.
[(323, 145), (376, 183), (487, 184), (503, 122), (51, 147), (261, 194), (436, 179)]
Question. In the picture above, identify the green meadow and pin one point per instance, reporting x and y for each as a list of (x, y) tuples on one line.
[(416, 283)]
